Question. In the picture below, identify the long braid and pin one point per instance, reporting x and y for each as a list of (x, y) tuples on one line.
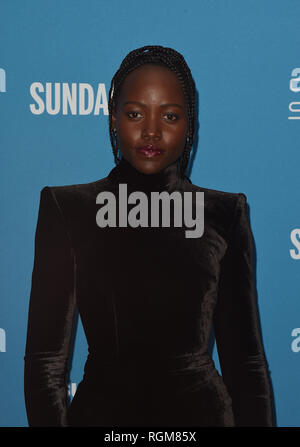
[(170, 58)]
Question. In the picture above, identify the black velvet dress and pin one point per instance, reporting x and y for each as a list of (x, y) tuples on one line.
[(149, 299)]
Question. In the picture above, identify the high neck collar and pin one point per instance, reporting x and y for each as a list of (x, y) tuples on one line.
[(168, 179)]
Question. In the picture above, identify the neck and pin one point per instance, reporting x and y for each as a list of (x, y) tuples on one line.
[(168, 179)]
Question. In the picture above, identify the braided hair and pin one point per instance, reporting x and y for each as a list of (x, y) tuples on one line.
[(155, 54)]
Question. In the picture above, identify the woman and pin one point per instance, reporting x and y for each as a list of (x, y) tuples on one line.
[(148, 296)]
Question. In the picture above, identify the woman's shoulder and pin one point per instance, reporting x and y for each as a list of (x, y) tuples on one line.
[(73, 199), (218, 196), (77, 190), (222, 208)]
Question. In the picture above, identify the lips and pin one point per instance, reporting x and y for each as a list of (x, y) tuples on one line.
[(150, 151)]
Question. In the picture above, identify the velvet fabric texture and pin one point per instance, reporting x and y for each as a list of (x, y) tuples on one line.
[(149, 300)]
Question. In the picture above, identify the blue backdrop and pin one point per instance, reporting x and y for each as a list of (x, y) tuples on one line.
[(244, 55)]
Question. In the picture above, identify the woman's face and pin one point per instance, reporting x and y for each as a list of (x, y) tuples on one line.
[(151, 118)]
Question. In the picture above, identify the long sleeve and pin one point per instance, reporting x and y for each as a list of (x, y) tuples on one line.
[(237, 329), (50, 317)]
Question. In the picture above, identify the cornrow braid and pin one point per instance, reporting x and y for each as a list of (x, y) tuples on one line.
[(156, 54)]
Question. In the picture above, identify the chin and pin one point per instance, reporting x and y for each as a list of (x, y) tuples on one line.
[(148, 168)]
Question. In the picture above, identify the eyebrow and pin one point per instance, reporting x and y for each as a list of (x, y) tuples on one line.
[(162, 105)]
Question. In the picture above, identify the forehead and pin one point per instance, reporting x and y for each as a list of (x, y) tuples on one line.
[(154, 80)]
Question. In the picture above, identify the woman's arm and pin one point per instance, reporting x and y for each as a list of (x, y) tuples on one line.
[(237, 329), (50, 318)]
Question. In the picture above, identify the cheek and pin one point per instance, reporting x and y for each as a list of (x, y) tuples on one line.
[(128, 133), (176, 137)]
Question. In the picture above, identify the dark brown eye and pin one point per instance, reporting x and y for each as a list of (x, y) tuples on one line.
[(133, 115), (171, 116)]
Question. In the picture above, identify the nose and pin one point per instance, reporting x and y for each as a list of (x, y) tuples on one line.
[(152, 128)]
